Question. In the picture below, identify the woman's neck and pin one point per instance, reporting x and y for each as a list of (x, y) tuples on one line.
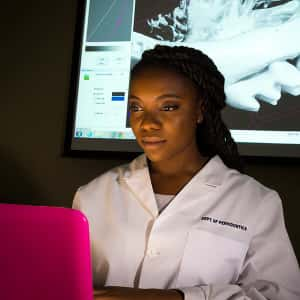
[(170, 177), (179, 165)]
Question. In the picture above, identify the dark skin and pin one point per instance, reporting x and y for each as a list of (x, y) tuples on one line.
[(164, 112), (165, 109)]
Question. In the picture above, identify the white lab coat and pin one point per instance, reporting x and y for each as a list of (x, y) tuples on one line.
[(222, 236)]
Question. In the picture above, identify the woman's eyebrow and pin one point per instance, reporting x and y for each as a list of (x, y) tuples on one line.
[(160, 97), (133, 97), (174, 96)]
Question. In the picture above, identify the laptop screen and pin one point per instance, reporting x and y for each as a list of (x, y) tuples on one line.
[(44, 253)]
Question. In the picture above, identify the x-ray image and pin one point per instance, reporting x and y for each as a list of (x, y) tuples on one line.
[(169, 25), (195, 20), (254, 43)]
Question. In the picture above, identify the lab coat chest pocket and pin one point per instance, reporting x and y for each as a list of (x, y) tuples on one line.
[(210, 258)]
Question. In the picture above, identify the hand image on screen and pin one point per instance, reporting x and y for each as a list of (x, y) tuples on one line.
[(267, 86), (254, 53)]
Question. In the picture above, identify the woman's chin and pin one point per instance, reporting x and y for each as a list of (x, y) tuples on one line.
[(154, 156)]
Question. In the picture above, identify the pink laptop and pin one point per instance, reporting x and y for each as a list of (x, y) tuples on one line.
[(44, 254)]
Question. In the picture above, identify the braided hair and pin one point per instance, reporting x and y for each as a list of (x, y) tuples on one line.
[(212, 135)]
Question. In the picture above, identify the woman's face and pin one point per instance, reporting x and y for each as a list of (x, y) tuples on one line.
[(164, 111)]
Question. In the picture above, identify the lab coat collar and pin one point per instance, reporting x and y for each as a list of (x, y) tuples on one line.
[(213, 173), (137, 177)]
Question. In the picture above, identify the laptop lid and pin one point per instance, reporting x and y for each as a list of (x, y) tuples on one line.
[(44, 253)]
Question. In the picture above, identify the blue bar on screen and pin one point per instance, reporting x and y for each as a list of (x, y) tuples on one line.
[(117, 98)]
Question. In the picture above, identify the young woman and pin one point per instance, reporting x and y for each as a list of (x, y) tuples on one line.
[(182, 221)]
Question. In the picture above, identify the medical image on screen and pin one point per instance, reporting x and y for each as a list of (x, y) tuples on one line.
[(109, 20), (166, 22), (255, 44)]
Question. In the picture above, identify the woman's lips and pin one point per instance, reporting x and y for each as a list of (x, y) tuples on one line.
[(152, 142)]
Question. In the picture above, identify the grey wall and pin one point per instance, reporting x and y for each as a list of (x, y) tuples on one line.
[(36, 48)]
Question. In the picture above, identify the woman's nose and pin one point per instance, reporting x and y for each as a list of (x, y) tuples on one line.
[(150, 121)]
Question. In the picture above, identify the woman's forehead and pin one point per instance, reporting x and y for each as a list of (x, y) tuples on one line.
[(156, 82)]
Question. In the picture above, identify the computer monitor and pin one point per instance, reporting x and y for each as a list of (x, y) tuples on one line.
[(255, 44)]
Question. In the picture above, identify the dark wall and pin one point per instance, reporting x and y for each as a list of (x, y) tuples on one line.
[(36, 48)]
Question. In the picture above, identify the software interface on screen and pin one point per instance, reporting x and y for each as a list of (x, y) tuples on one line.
[(255, 44)]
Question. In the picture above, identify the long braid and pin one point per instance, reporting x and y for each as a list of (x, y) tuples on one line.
[(213, 137)]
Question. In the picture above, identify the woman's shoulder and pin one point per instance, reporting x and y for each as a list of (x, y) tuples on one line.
[(113, 176), (243, 185), (105, 185), (243, 197)]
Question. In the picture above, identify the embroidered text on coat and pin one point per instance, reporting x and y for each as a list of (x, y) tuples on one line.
[(224, 223)]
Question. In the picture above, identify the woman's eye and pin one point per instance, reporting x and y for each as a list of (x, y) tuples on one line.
[(134, 108), (169, 107)]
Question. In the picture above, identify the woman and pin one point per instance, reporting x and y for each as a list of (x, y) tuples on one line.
[(181, 221)]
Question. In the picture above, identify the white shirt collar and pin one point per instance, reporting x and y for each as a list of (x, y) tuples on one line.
[(212, 173), (137, 176)]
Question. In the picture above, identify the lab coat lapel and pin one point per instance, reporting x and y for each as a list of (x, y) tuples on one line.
[(204, 182), (199, 187), (138, 180)]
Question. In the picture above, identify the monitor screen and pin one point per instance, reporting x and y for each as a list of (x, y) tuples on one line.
[(255, 44)]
